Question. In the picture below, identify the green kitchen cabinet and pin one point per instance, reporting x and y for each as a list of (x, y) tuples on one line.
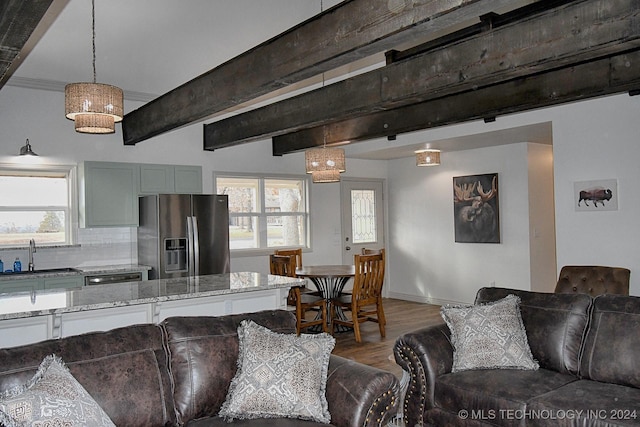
[(108, 194), (75, 281), (188, 179), (20, 285), (157, 179)]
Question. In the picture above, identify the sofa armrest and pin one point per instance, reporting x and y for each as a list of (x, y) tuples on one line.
[(360, 395), (424, 355)]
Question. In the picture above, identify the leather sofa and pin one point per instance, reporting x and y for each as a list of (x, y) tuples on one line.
[(593, 280), (588, 349), (178, 373)]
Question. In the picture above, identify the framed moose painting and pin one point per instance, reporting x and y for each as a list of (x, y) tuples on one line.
[(476, 208)]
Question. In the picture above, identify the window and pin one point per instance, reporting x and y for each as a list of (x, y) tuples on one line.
[(36, 204), (266, 212)]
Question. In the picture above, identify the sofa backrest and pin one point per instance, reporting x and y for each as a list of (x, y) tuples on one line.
[(203, 357), (556, 324), (124, 370), (612, 346)]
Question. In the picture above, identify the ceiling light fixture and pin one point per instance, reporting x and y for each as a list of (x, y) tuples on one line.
[(324, 164), (26, 150), (95, 107), (427, 158)]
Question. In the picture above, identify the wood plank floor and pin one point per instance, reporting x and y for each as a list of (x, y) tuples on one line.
[(402, 316)]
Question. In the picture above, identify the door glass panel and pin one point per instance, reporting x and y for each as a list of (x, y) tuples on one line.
[(363, 212)]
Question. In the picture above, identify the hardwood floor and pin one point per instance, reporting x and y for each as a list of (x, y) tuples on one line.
[(402, 316)]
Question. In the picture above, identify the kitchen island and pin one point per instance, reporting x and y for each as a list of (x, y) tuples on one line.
[(27, 317)]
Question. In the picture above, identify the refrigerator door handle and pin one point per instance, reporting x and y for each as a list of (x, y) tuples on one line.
[(190, 249), (196, 247)]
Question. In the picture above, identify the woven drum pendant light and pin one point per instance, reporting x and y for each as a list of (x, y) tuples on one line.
[(324, 164), (95, 107), (428, 158)]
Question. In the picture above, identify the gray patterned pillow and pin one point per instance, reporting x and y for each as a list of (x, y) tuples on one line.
[(279, 375), (489, 336), (52, 397)]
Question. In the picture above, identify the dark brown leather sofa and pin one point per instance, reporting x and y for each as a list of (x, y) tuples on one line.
[(178, 373), (588, 349)]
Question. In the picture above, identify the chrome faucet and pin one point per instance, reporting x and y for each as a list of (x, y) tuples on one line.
[(32, 250)]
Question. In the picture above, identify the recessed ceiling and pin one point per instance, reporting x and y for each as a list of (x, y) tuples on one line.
[(539, 133)]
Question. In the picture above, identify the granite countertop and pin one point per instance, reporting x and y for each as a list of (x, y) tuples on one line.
[(81, 270), (57, 301)]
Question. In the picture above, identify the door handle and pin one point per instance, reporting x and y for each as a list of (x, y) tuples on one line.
[(348, 248)]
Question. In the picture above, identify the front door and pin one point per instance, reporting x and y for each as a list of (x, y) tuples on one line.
[(362, 217)]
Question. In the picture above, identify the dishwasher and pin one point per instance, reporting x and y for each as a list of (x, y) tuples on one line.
[(104, 279)]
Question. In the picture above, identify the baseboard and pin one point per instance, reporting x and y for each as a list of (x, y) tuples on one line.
[(422, 299)]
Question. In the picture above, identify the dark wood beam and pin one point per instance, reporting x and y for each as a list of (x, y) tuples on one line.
[(620, 73), (22, 24), (351, 30), (563, 36)]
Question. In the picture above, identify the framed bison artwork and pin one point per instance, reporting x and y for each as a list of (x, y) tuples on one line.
[(476, 208), (596, 196)]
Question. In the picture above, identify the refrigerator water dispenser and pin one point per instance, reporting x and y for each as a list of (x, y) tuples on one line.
[(175, 253)]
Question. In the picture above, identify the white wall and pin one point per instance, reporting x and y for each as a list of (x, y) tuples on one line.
[(592, 140), (426, 264)]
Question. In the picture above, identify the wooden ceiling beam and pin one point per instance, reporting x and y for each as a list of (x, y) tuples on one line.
[(563, 36), (352, 30), (620, 73), (22, 24)]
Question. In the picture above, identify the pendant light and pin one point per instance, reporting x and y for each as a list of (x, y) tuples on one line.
[(324, 164), (428, 158), (95, 107)]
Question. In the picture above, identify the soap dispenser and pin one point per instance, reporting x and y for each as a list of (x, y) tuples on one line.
[(17, 265)]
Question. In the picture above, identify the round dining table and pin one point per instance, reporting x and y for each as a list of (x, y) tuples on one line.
[(330, 281)]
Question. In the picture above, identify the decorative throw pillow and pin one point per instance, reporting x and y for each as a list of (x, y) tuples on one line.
[(279, 375), (489, 336), (51, 398)]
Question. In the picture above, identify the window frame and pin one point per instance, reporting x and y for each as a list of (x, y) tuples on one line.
[(263, 215), (71, 211)]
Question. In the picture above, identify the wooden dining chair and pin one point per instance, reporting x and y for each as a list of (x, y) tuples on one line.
[(292, 252), (285, 265), (298, 254), (365, 301)]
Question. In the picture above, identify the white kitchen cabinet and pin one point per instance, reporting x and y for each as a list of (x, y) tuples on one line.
[(108, 194)]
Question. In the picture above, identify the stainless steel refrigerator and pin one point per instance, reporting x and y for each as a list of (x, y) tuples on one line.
[(184, 234)]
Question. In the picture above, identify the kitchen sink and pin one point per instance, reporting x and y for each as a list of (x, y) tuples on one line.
[(45, 271)]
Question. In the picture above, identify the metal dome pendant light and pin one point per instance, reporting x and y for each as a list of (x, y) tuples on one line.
[(95, 107)]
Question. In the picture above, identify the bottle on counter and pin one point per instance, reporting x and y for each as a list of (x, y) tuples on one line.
[(17, 265), (1, 266)]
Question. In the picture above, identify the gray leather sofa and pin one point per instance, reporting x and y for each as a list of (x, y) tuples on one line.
[(178, 373), (588, 349)]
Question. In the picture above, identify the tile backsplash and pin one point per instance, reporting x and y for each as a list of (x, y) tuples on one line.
[(95, 247)]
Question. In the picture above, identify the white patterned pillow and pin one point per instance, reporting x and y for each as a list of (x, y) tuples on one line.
[(279, 375), (489, 336), (53, 397)]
